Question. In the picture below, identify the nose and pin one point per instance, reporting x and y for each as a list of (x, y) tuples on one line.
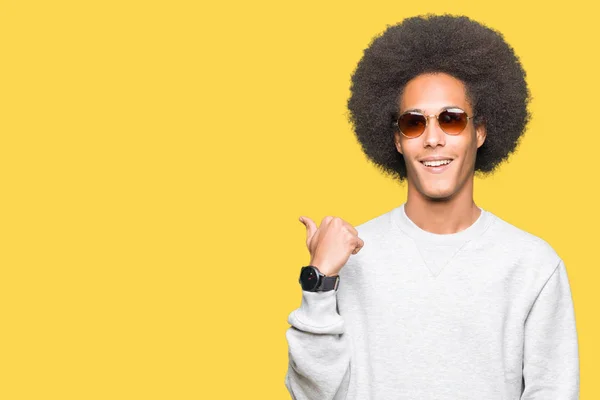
[(433, 135)]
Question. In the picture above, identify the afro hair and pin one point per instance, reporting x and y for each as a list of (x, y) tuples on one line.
[(459, 46)]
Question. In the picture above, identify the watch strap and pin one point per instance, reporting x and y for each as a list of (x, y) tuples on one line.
[(329, 283)]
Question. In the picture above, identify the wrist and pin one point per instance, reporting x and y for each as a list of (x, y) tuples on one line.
[(323, 268)]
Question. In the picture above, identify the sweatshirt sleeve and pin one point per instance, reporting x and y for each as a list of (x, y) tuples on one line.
[(550, 353), (318, 349)]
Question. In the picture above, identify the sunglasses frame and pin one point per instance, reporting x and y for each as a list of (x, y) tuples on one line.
[(437, 117)]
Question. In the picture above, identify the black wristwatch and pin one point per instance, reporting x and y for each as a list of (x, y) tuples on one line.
[(313, 280)]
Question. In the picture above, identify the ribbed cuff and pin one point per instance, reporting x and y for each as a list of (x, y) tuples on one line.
[(318, 313)]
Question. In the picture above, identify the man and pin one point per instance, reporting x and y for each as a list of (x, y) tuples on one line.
[(437, 298)]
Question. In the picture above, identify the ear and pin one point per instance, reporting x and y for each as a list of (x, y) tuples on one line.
[(397, 136), (481, 134)]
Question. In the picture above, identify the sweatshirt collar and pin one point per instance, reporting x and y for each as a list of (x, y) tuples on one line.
[(403, 222)]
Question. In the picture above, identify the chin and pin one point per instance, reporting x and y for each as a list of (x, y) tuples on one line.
[(438, 197), (438, 193)]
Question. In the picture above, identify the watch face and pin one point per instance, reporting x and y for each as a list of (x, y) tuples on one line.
[(309, 279)]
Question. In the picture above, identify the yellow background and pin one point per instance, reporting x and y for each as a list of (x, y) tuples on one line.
[(155, 158)]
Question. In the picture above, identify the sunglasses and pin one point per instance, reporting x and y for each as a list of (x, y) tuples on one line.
[(452, 121)]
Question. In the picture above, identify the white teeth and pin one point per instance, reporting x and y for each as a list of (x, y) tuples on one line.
[(436, 163)]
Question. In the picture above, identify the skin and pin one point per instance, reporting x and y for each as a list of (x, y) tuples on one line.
[(440, 203)]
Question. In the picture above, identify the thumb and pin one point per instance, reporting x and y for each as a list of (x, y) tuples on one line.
[(311, 227)]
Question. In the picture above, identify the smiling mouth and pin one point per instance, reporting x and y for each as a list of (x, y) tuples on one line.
[(436, 163), (436, 166)]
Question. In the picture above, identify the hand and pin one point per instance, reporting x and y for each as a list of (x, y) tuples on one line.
[(331, 244)]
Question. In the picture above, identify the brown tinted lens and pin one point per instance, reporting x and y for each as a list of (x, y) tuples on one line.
[(453, 121), (411, 124)]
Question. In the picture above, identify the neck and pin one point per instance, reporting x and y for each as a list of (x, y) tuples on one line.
[(442, 216)]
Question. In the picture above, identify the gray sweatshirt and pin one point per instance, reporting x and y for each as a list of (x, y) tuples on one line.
[(484, 313)]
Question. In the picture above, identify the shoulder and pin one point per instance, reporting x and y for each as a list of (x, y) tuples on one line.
[(377, 234), (377, 225), (378, 240), (531, 253)]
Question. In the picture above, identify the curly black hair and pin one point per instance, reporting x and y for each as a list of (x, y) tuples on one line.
[(459, 46)]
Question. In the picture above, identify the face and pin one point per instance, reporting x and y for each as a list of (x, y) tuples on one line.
[(430, 94)]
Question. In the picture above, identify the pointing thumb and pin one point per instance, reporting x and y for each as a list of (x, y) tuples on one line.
[(311, 227)]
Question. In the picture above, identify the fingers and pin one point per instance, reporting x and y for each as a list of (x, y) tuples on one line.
[(360, 245), (349, 226), (327, 219), (352, 229)]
